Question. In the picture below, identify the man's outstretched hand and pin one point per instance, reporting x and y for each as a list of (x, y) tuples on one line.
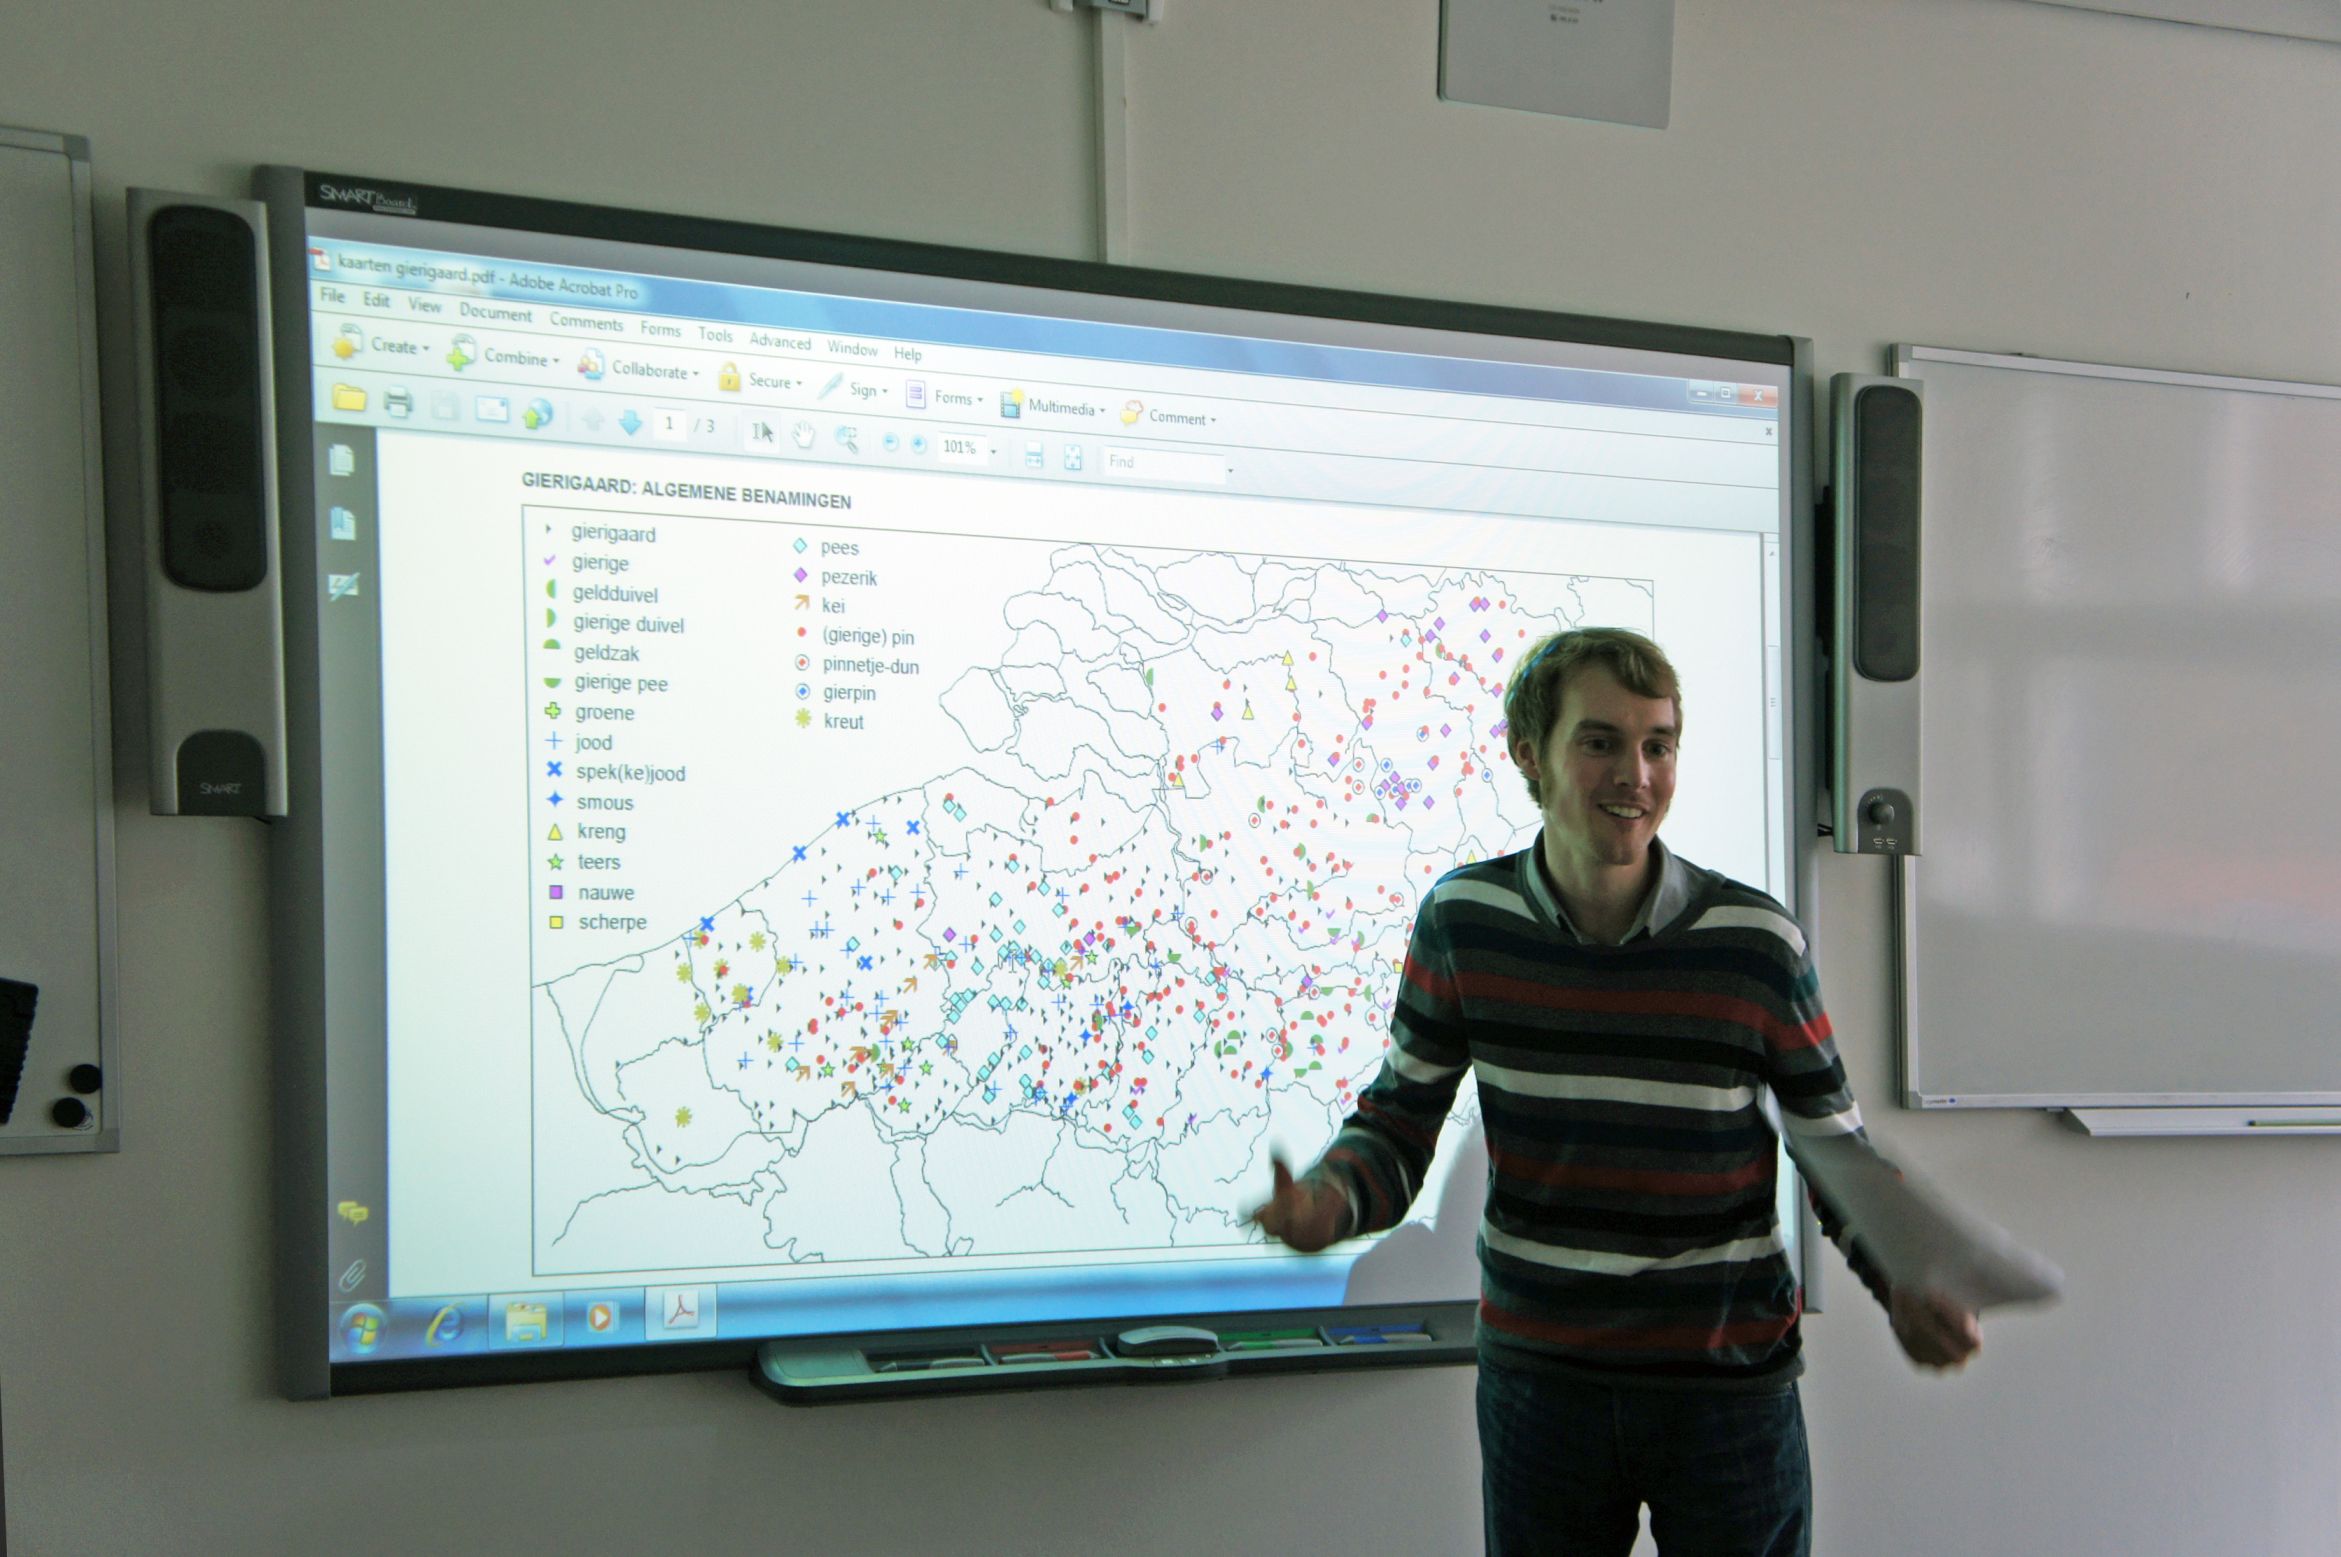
[(1304, 1214), (1936, 1331)]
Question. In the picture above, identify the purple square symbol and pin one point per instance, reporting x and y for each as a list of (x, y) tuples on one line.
[(1218, 713), (1485, 635), (1381, 616), (1439, 622), (950, 935), (553, 892), (801, 575), (1499, 654), (1446, 729)]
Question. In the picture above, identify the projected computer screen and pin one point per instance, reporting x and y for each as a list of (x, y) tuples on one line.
[(868, 788)]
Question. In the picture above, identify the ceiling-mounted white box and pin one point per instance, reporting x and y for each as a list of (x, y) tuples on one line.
[(1588, 59)]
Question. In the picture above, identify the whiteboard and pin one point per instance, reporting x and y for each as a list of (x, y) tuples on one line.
[(56, 758), (2131, 652)]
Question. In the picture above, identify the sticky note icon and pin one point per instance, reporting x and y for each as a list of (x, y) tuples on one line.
[(524, 1323), (348, 397)]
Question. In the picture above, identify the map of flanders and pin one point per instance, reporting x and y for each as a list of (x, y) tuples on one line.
[(1057, 995)]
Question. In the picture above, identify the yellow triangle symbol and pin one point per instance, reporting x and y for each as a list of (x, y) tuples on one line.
[(1288, 656), (1290, 685), (1247, 708), (555, 835), (1177, 782)]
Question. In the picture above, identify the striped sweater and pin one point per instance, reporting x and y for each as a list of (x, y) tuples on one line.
[(1630, 1230)]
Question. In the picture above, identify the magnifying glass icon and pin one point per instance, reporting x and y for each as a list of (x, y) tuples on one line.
[(847, 440)]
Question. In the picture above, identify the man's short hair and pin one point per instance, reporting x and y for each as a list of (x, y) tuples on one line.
[(1532, 703)]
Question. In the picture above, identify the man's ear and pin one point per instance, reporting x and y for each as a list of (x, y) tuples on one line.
[(1524, 758)]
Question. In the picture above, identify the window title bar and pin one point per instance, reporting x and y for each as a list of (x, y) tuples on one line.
[(485, 279)]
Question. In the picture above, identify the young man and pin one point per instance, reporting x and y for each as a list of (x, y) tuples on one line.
[(1636, 1025)]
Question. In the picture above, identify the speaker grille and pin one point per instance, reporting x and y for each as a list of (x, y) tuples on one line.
[(208, 447), (1885, 593)]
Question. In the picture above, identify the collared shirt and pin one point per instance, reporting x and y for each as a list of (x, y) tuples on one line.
[(1670, 893)]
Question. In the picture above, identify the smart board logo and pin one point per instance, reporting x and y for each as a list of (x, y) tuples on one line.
[(372, 199)]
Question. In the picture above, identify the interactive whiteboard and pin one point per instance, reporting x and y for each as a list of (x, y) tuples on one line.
[(859, 788)]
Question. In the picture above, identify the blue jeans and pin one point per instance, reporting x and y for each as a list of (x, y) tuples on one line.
[(1566, 1466)]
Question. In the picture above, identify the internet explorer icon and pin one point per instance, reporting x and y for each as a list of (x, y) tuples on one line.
[(537, 415)]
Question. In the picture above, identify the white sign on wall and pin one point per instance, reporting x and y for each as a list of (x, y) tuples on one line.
[(1588, 59)]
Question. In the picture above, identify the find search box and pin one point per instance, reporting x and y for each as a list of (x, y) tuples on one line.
[(1127, 464)]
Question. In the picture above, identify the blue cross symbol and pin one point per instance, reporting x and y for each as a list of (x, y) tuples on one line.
[(865, 963), (810, 900), (857, 889), (886, 896), (845, 819), (554, 740), (912, 829), (707, 924), (800, 848), (552, 770), (961, 871), (796, 1043)]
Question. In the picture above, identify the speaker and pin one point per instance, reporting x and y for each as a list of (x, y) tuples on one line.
[(1876, 427), (214, 609)]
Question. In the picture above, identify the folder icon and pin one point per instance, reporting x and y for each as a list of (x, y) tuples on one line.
[(348, 397), (524, 1322)]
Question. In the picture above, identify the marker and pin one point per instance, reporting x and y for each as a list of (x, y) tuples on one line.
[(1045, 1351), (1277, 1343), (918, 1364), (1377, 1335)]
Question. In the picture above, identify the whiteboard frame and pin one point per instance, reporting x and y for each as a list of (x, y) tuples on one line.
[(1908, 362), (91, 884)]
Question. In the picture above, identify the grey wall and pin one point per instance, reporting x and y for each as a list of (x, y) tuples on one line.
[(1981, 173)]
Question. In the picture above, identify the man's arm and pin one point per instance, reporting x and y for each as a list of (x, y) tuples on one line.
[(1833, 1152), (1375, 1166)]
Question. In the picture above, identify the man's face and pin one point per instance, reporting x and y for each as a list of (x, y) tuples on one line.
[(1606, 774)]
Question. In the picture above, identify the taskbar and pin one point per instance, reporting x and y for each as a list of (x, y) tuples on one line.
[(509, 1323)]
